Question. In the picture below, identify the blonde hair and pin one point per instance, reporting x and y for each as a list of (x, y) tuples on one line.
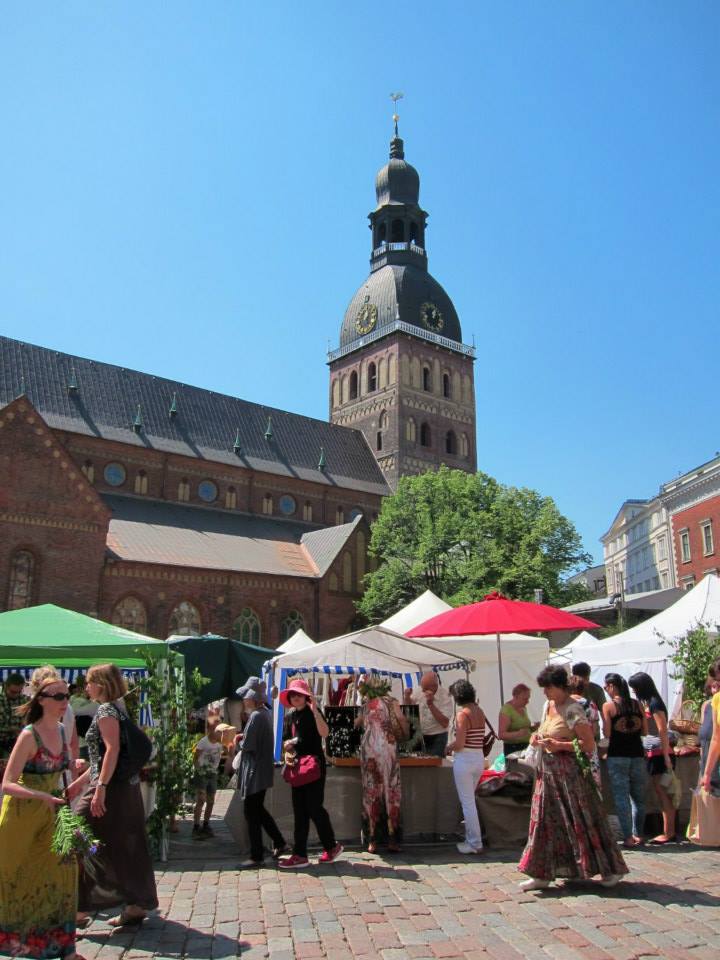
[(41, 674), (32, 711), (108, 676)]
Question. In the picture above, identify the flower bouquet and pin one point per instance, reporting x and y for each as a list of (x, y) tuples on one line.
[(73, 838)]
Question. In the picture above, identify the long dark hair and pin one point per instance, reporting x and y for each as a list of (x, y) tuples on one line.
[(644, 687), (627, 705)]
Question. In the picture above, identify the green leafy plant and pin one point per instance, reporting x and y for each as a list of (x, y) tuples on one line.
[(691, 655), (72, 837)]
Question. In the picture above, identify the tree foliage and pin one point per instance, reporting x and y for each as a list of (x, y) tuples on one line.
[(462, 535), (692, 656)]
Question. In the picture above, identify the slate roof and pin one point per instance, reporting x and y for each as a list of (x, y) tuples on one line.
[(152, 531), (206, 425)]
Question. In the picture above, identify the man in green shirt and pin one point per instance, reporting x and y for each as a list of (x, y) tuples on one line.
[(593, 691), (11, 696)]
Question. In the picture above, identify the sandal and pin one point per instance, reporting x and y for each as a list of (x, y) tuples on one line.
[(126, 919), (372, 847), (82, 923)]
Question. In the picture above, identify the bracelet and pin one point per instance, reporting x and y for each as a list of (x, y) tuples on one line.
[(100, 784)]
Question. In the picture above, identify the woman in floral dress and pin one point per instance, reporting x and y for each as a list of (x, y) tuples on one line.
[(38, 891), (570, 836), (382, 721)]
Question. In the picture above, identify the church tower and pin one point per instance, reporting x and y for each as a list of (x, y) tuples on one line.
[(402, 374)]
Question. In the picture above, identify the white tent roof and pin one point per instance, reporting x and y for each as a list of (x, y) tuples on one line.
[(298, 641), (422, 608), (373, 649)]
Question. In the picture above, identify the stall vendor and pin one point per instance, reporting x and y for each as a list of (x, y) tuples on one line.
[(11, 697), (436, 709)]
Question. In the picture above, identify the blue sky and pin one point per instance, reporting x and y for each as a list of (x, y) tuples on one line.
[(185, 189)]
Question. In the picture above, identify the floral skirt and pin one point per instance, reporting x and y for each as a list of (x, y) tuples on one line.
[(569, 836)]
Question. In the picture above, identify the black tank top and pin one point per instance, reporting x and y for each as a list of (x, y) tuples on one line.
[(626, 733)]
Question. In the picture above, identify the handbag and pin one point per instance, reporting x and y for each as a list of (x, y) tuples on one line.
[(489, 738), (396, 727), (135, 750), (704, 826), (305, 770)]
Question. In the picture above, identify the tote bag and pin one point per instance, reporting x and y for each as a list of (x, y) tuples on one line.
[(704, 826)]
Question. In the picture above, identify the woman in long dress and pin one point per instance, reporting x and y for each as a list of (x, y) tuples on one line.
[(570, 836), (38, 891), (382, 721)]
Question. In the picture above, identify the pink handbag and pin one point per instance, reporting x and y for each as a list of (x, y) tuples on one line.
[(305, 770)]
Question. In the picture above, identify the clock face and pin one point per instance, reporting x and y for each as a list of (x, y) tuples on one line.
[(431, 317), (114, 474), (207, 491), (287, 505), (366, 317)]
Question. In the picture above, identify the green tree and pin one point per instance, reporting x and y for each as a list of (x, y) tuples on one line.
[(692, 655), (462, 535)]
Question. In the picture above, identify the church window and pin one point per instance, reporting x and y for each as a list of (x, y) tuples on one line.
[(230, 498), (397, 231), (247, 627), (425, 435), (466, 389), (372, 377), (426, 379), (141, 482), (381, 234), (114, 474), (333, 582), (344, 392), (464, 445), (383, 420), (413, 232), (185, 620), (339, 515), (130, 614), (336, 393), (446, 385), (450, 442), (22, 580), (361, 549), (410, 430), (308, 511), (381, 379), (184, 490), (287, 505), (88, 469), (267, 504), (392, 370), (378, 441), (353, 385), (290, 625), (347, 573)]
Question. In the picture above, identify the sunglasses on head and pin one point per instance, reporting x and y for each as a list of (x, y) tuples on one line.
[(55, 696)]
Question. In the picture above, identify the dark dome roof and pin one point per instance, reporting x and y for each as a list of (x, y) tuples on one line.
[(397, 181), (398, 292)]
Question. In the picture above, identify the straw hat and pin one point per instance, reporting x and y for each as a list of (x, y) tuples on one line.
[(295, 686)]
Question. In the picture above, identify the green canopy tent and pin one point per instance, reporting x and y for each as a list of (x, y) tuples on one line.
[(226, 663)]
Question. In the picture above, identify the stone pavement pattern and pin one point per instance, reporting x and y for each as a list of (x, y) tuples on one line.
[(428, 902)]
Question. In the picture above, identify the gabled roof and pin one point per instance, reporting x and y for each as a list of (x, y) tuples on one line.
[(206, 425), (152, 531), (324, 545)]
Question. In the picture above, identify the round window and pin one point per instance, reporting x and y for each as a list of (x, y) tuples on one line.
[(287, 505), (207, 491), (355, 512), (114, 474)]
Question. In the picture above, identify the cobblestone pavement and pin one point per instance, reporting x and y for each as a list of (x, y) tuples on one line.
[(428, 902)]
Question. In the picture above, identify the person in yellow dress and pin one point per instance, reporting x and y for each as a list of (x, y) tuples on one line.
[(38, 891)]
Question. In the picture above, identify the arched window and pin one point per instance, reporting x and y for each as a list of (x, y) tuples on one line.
[(372, 377), (333, 582), (247, 627), (378, 441), (336, 393), (466, 389), (426, 379), (267, 504), (339, 515), (230, 498), (392, 370), (464, 449), (450, 442), (88, 468), (410, 430), (397, 231), (413, 232), (141, 482), (347, 573), (361, 551), (185, 620), (381, 381), (425, 436), (307, 511), (381, 234), (290, 625), (130, 613), (383, 422), (22, 580), (353, 385), (184, 490), (344, 390), (447, 392)]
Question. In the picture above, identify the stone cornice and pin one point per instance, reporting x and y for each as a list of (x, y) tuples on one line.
[(692, 492), (147, 571), (59, 523)]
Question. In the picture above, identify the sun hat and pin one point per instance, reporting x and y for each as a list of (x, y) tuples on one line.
[(295, 686), (251, 688)]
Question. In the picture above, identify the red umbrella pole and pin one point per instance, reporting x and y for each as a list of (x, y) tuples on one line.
[(502, 692)]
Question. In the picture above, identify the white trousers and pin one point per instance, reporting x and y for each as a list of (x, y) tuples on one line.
[(468, 766)]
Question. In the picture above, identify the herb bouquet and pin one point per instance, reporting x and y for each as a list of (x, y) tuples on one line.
[(73, 838)]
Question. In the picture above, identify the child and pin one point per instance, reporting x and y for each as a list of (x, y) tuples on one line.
[(206, 758)]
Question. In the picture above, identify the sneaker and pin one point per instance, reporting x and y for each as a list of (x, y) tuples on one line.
[(250, 863), (197, 833), (293, 862), (468, 848), (533, 884), (208, 830), (327, 856), (612, 881), (280, 851)]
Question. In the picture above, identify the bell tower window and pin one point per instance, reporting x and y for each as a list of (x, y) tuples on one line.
[(397, 231), (353, 385), (446, 385), (426, 379), (450, 442), (372, 377), (425, 435)]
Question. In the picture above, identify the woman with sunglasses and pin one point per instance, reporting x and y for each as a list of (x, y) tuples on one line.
[(38, 891)]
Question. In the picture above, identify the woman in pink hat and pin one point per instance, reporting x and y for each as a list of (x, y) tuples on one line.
[(303, 735)]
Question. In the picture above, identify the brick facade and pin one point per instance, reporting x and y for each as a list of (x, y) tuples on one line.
[(693, 559)]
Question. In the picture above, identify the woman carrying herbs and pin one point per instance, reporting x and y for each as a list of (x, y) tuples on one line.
[(38, 888), (570, 836), (121, 872)]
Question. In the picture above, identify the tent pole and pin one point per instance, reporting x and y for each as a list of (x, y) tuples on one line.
[(499, 653)]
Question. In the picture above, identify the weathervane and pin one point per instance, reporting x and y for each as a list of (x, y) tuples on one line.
[(395, 97)]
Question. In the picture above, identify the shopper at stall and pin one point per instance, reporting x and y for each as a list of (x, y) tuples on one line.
[(578, 687), (206, 763), (514, 727), (708, 720), (468, 759), (11, 723), (594, 691), (660, 758), (713, 755), (383, 724), (255, 774), (121, 872), (303, 734), (38, 891), (436, 709), (39, 676), (570, 836), (624, 726)]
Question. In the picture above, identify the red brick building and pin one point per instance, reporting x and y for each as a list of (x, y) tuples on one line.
[(693, 504)]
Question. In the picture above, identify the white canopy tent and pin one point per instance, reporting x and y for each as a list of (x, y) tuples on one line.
[(416, 612), (298, 641), (645, 646)]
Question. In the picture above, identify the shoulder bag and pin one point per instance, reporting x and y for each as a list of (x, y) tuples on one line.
[(305, 769), (135, 749)]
